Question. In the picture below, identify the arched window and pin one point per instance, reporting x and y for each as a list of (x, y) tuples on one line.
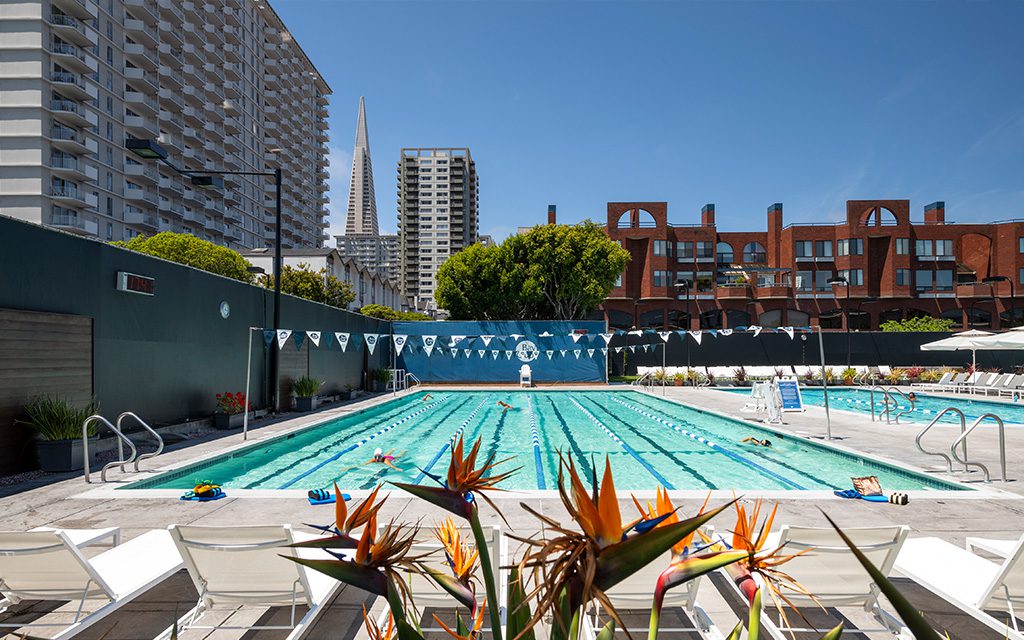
[(797, 318), (678, 320), (770, 319), (723, 252), (711, 319), (881, 217), (832, 319), (645, 219), (956, 315), (619, 319), (754, 252), (652, 319), (625, 220)]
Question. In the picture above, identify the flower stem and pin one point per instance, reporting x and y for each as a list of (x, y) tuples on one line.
[(485, 564), (395, 602), (656, 604)]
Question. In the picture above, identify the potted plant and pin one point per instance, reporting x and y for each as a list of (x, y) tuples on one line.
[(306, 388), (58, 429), (679, 378), (848, 374), (660, 376), (914, 373), (230, 412), (349, 393), (739, 374), (896, 376)]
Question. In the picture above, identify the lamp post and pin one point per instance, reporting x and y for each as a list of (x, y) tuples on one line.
[(213, 179), (685, 286), (991, 281), (843, 282), (970, 310)]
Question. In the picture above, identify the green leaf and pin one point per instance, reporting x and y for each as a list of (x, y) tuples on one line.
[(619, 561), (754, 621), (439, 496), (359, 576), (835, 633), (454, 588), (736, 631), (607, 631), (407, 632), (910, 615), (328, 542), (697, 565), (518, 608)]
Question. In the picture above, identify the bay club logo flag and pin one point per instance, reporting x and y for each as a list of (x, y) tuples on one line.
[(455, 340), (282, 337), (725, 332), (576, 352), (342, 339), (400, 341), (455, 352), (604, 351), (494, 354), (314, 337), (468, 352), (516, 336), (665, 335), (590, 353), (508, 354), (575, 337), (549, 354), (428, 343), (481, 352), (696, 335), (268, 337), (487, 340), (371, 341), (561, 352), (607, 338), (788, 330), (756, 329)]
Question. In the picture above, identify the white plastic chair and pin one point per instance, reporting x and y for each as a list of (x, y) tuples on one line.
[(47, 565), (525, 376), (82, 538), (235, 566), (972, 583)]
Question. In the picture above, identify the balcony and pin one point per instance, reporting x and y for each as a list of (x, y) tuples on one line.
[(139, 194), (194, 196), (141, 102), (171, 34), (774, 291), (234, 215), (171, 184), (70, 112), (140, 56), (71, 221), (973, 290), (68, 28), (77, 8), (141, 127), (143, 172), (143, 9), (171, 98), (192, 116), (170, 10), (232, 71), (141, 32), (68, 195), (69, 56), (170, 55), (68, 167), (191, 215), (232, 53), (194, 96), (69, 84), (68, 140), (141, 219)]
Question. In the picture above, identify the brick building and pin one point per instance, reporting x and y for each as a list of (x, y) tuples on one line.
[(695, 276)]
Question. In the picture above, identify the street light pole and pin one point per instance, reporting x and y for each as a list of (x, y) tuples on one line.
[(275, 358), (840, 280)]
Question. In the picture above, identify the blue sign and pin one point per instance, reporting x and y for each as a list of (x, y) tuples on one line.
[(789, 390)]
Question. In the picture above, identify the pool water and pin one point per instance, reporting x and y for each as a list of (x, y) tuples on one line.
[(651, 442), (926, 407)]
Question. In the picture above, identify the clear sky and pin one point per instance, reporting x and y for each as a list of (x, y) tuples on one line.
[(740, 104)]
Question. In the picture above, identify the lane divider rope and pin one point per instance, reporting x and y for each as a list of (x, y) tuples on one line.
[(451, 441), (706, 442), (536, 444), (353, 447), (611, 434)]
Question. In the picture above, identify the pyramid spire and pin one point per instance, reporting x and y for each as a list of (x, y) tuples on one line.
[(362, 204)]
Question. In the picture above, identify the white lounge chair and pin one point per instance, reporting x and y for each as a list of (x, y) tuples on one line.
[(82, 538), (47, 565), (981, 382), (525, 376), (1013, 387), (934, 386), (965, 384), (997, 547), (994, 385), (240, 565), (975, 585), (834, 576)]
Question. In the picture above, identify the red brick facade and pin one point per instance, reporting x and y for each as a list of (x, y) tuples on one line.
[(779, 277)]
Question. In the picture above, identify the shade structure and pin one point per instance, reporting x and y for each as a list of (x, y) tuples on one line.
[(1012, 339), (972, 340)]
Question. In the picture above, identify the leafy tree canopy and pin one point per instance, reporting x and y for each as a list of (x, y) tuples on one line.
[(552, 272), (922, 323), (318, 286), (185, 248), (387, 313)]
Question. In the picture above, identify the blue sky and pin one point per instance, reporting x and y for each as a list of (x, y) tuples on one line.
[(740, 104)]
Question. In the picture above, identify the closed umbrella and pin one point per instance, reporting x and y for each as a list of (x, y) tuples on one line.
[(972, 339)]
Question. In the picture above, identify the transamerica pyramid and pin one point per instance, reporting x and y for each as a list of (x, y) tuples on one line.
[(362, 205)]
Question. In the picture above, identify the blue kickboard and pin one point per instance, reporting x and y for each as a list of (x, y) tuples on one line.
[(329, 500)]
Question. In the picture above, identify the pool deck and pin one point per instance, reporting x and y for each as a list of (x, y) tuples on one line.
[(997, 512)]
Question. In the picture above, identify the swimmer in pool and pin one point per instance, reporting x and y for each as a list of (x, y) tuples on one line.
[(912, 396), (504, 406), (379, 457), (426, 397), (759, 443)]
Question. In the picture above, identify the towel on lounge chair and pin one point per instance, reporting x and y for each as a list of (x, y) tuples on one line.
[(323, 496)]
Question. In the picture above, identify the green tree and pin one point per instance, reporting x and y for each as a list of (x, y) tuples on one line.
[(557, 272), (185, 248), (318, 286), (413, 316), (379, 311), (922, 323)]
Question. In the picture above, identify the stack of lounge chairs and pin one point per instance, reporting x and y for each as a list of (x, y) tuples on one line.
[(241, 566), (1003, 385)]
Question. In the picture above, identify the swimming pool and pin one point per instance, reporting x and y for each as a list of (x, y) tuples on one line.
[(651, 442), (926, 407)]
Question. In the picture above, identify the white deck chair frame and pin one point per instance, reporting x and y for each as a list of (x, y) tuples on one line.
[(889, 542), (525, 376), (301, 591), (123, 564)]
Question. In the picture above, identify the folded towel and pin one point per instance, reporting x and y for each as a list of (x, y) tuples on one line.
[(899, 498), (323, 496), (215, 493)]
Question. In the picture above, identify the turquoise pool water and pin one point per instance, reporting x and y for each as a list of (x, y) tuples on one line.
[(926, 407), (651, 442)]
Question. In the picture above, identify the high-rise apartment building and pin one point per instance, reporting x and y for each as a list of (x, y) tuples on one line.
[(379, 253), (221, 85), (438, 205)]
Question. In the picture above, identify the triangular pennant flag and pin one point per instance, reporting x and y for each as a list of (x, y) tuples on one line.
[(299, 339), (575, 337), (604, 351), (590, 353), (713, 332), (371, 341), (665, 335), (468, 352), (282, 337), (487, 340), (314, 337), (632, 348), (508, 354), (561, 352), (481, 352), (740, 328), (342, 339), (607, 337), (494, 354), (647, 348), (357, 344), (789, 331), (576, 352), (725, 332), (268, 337), (455, 340), (516, 336), (756, 329), (636, 332), (696, 335), (455, 352), (618, 349), (400, 341), (428, 343), (544, 335)]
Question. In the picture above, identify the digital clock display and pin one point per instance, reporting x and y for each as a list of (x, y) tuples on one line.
[(134, 283)]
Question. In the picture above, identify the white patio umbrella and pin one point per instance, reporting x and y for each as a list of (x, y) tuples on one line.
[(972, 339), (1012, 339)]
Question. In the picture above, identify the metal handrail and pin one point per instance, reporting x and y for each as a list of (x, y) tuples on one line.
[(639, 382), (1002, 447), (913, 403), (120, 449), (888, 399), (414, 379), (963, 430), (159, 439)]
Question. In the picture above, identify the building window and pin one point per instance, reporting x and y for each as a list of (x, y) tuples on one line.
[(903, 277), (684, 251), (902, 246), (944, 248), (823, 248), (944, 280), (803, 280), (851, 247), (618, 280), (923, 280), (754, 252), (1021, 274), (821, 279), (1020, 245), (804, 249), (854, 277), (704, 251), (923, 249), (660, 248), (705, 281), (661, 278), (723, 251)]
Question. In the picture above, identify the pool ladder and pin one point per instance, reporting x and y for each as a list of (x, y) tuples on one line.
[(133, 457), (961, 442), (890, 403)]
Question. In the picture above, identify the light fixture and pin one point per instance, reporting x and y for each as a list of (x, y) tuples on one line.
[(208, 182), (837, 280), (146, 148)]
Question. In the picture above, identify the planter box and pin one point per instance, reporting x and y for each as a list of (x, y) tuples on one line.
[(307, 403), (65, 455), (228, 420)]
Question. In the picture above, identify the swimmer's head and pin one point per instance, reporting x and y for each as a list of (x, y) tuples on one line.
[(378, 451), (767, 442)]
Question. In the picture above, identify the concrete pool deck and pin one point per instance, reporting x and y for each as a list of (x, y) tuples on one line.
[(997, 512)]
